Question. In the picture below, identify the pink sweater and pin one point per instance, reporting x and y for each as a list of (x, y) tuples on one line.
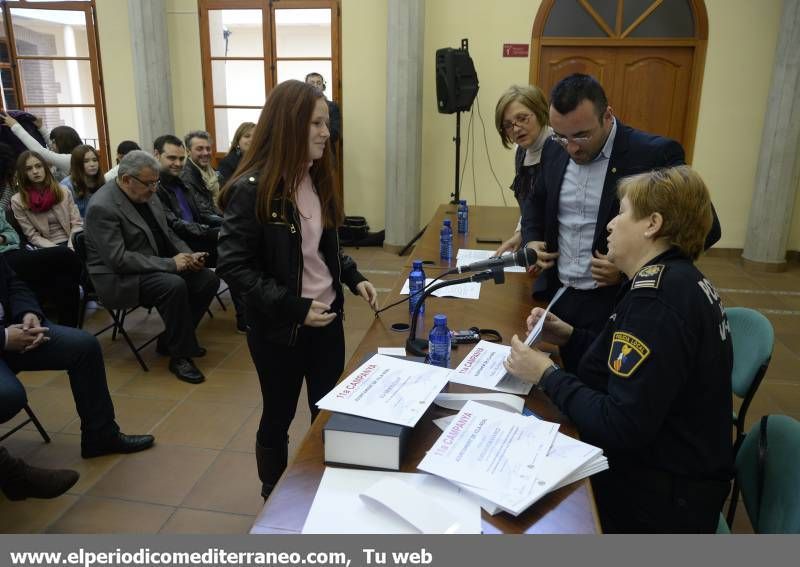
[(317, 279)]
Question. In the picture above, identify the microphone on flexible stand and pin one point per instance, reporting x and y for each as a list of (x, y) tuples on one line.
[(524, 257), (417, 347)]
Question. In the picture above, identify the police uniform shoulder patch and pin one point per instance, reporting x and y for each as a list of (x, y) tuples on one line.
[(627, 354), (648, 277)]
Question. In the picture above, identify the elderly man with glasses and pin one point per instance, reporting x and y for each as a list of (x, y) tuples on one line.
[(134, 258), (564, 219)]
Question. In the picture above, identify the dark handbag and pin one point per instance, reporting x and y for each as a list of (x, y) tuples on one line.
[(353, 230)]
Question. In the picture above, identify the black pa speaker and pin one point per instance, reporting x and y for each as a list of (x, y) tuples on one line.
[(456, 80)]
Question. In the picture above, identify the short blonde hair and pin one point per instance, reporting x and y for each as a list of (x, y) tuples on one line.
[(528, 95), (680, 196)]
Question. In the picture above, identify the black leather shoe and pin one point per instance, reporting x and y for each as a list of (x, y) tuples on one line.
[(118, 443), (163, 351), (185, 370), (33, 482)]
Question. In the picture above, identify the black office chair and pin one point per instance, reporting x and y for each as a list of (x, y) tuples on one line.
[(117, 315)]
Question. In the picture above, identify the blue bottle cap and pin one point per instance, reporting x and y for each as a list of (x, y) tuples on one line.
[(463, 201), (440, 320), (416, 265), (446, 222)]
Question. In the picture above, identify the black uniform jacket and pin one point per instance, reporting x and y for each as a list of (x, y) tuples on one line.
[(264, 262), (633, 152), (654, 388), (16, 298)]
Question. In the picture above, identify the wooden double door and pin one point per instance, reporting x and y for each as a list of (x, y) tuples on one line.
[(648, 87)]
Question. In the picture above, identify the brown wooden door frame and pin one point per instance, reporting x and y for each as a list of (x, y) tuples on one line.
[(621, 38)]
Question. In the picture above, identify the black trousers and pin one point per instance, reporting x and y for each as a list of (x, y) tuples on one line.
[(586, 308), (181, 300), (77, 352), (648, 501), (54, 275), (317, 356)]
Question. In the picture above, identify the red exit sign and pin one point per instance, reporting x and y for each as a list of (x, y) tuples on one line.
[(515, 50)]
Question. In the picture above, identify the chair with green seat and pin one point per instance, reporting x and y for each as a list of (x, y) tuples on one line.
[(753, 340), (768, 471)]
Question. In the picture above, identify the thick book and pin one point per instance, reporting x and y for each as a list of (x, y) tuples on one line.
[(356, 441)]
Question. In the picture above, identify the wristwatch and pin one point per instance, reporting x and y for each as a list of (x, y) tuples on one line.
[(547, 372)]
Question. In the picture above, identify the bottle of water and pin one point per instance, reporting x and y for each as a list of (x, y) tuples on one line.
[(416, 285), (439, 342), (463, 217), (446, 241)]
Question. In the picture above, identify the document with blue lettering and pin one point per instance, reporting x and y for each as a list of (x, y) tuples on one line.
[(387, 389)]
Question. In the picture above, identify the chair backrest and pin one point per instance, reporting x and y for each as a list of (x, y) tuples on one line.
[(753, 339), (79, 244), (778, 510)]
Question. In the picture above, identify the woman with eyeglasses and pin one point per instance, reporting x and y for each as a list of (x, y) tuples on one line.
[(652, 389), (522, 119), (279, 248)]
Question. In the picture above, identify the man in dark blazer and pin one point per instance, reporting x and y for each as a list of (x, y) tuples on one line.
[(134, 258), (29, 343), (575, 197)]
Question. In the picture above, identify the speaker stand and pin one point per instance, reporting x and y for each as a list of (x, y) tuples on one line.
[(456, 195)]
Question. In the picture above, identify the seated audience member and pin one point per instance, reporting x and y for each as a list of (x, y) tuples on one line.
[(122, 150), (19, 480), (54, 274), (8, 186), (45, 210), (653, 389), (565, 216), (199, 231), (31, 343), (85, 176), (239, 144), (63, 139), (198, 175), (134, 258)]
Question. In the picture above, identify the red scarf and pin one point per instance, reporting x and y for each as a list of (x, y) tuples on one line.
[(41, 201)]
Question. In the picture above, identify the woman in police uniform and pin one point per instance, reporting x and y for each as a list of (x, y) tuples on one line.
[(653, 389)]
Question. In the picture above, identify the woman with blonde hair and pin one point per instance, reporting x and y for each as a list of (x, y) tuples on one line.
[(45, 210), (522, 119), (653, 389)]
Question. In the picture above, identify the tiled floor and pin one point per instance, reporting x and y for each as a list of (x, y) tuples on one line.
[(205, 433)]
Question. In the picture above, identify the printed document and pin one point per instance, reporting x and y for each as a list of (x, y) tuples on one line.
[(387, 389), (483, 367), (493, 452), (533, 336), (469, 290)]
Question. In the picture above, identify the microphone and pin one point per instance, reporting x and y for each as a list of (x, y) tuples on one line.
[(524, 257)]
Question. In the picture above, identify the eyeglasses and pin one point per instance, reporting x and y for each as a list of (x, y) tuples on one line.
[(148, 184), (564, 140), (519, 120)]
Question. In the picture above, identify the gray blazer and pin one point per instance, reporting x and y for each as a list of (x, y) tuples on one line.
[(120, 246)]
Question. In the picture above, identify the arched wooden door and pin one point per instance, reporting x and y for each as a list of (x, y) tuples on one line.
[(648, 55)]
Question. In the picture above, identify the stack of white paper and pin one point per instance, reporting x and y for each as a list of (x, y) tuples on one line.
[(387, 389), (508, 460), (350, 501)]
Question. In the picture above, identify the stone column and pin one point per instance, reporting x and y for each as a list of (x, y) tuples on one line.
[(151, 69), (778, 171), (404, 61)]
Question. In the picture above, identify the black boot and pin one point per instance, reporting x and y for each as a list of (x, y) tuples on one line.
[(19, 480), (271, 462)]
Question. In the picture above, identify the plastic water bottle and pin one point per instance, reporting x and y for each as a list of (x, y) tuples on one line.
[(463, 217), (446, 241), (416, 285), (439, 342)]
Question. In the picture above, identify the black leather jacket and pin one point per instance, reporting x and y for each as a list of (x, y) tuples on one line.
[(264, 263), (193, 179)]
